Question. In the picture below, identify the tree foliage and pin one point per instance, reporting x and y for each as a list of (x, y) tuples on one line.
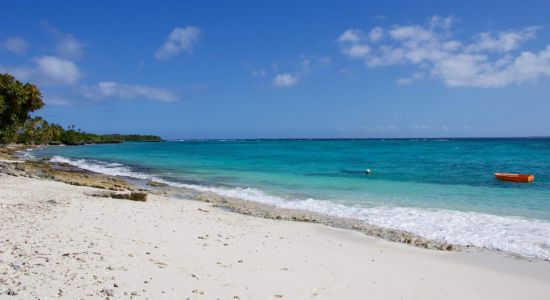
[(18, 100)]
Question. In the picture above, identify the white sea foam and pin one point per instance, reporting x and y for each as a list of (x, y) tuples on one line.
[(27, 154), (114, 169), (526, 237)]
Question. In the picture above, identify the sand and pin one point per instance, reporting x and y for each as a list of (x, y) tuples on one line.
[(57, 241)]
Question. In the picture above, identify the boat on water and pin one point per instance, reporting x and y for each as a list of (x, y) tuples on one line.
[(515, 177)]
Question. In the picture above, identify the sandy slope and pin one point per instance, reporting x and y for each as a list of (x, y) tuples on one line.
[(57, 241)]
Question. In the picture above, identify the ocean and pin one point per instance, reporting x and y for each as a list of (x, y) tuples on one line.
[(440, 189)]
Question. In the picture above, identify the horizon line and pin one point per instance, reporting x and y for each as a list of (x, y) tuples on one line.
[(357, 138)]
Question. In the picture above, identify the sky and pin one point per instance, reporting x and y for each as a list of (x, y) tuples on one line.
[(285, 69)]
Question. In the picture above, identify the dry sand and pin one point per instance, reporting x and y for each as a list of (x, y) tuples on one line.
[(56, 241)]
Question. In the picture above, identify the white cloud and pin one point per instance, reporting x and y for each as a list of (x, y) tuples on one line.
[(69, 47), (180, 39), (20, 73), (57, 100), (302, 68), (109, 89), (422, 127), (409, 80), (285, 80), (357, 50), (503, 41), (376, 34), (53, 70), (15, 45), (411, 33), (488, 61), (351, 36), (444, 23), (48, 70)]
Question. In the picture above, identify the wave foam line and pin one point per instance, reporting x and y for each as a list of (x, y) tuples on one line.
[(522, 236)]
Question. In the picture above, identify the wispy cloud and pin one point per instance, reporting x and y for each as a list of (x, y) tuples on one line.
[(58, 100), (380, 128), (15, 45), (180, 39), (110, 89), (487, 60), (70, 47), (503, 41), (305, 65), (422, 127), (285, 80), (67, 46), (258, 73)]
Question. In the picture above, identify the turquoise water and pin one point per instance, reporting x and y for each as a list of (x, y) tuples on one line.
[(415, 182)]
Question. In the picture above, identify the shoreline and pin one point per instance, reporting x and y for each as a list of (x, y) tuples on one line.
[(65, 241), (61, 241), (71, 172), (246, 207)]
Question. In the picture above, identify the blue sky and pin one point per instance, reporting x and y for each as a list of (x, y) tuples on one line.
[(286, 69)]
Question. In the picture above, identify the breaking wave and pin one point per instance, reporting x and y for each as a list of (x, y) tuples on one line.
[(527, 237)]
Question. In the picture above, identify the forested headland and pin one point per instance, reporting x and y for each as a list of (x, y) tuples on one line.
[(19, 100)]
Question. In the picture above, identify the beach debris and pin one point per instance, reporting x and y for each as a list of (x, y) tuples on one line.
[(11, 292), (202, 210), (134, 196), (160, 264), (196, 291), (15, 266), (107, 292), (156, 183)]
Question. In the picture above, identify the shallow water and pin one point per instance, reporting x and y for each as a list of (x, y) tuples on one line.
[(441, 189)]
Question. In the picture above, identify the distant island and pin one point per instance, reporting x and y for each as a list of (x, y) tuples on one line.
[(75, 137), (18, 101)]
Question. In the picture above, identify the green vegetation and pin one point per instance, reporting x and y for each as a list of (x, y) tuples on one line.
[(18, 100)]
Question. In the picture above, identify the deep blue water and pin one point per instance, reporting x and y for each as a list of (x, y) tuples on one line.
[(421, 175)]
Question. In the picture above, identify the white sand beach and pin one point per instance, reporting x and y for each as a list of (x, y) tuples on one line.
[(59, 242)]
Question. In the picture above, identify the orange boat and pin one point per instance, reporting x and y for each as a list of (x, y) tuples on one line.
[(515, 177)]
